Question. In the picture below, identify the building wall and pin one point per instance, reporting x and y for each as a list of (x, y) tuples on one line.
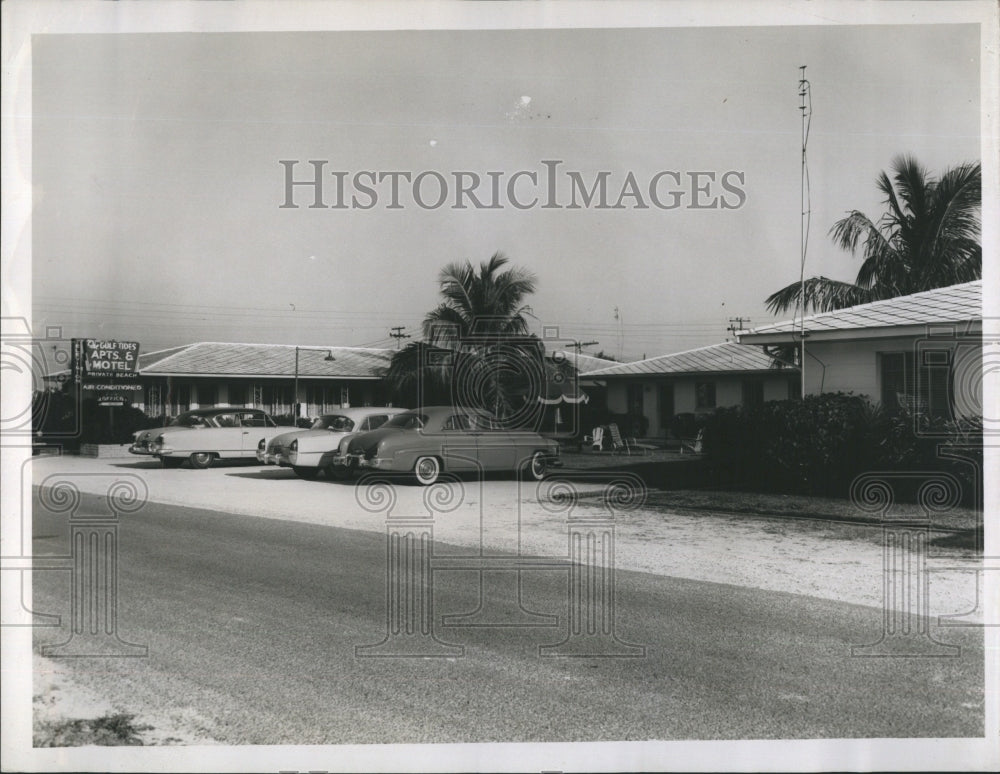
[(162, 396), (853, 366), (728, 392)]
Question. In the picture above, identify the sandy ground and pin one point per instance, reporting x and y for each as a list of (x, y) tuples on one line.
[(825, 559), (57, 697), (820, 558)]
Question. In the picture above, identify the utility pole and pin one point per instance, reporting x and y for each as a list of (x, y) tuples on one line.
[(805, 107), (581, 344), (398, 334), (736, 325)]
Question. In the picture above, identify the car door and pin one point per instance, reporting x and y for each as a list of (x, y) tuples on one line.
[(253, 427), (457, 443), (493, 443), (224, 438)]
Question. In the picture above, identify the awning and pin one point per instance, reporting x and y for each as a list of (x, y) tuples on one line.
[(566, 391)]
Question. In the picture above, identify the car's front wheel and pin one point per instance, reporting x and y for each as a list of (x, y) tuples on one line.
[(538, 467), (426, 470), (303, 472), (201, 460)]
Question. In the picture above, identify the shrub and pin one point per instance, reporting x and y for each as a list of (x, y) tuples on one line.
[(819, 444)]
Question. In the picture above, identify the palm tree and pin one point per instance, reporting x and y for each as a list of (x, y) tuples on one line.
[(928, 238), (484, 304), (477, 347)]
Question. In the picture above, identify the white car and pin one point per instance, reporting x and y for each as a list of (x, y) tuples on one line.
[(310, 452), (201, 436)]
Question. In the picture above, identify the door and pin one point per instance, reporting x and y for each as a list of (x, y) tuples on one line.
[(666, 406), (457, 443), (253, 427), (636, 410), (494, 445)]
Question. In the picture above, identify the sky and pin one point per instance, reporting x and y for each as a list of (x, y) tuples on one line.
[(158, 185)]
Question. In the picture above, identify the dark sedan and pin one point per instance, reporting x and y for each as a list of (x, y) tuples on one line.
[(436, 439)]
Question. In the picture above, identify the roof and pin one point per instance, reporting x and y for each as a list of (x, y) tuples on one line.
[(953, 304), (728, 357), (212, 358)]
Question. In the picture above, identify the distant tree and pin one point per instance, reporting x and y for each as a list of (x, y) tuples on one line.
[(928, 238), (605, 356)]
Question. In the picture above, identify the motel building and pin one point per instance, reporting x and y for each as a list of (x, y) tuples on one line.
[(265, 376), (694, 382), (920, 352)]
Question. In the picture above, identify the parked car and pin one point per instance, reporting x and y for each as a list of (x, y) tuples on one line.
[(309, 452), (428, 441), (204, 435)]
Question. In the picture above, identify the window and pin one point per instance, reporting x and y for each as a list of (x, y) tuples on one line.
[(253, 419), (375, 422), (922, 390), (753, 392), (704, 395), (227, 420), (457, 422), (407, 421)]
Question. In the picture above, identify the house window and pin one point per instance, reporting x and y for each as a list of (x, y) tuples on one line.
[(704, 395), (921, 388), (753, 392)]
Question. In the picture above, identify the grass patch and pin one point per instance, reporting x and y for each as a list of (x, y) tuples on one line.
[(118, 729)]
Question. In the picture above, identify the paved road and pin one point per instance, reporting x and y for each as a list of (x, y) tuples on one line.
[(253, 623)]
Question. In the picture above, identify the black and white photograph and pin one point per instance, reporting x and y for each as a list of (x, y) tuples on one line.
[(500, 386)]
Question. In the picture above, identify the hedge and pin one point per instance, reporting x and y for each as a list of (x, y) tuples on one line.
[(819, 444)]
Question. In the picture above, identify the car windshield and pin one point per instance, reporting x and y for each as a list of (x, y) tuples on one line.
[(407, 421), (335, 422)]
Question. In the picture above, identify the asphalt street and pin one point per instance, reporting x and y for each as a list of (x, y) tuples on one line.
[(252, 624)]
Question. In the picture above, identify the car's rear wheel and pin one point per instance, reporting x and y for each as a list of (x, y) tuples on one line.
[(307, 473), (171, 462), (538, 467), (201, 460), (426, 470)]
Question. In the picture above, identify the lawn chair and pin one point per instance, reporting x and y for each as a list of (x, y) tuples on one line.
[(693, 446), (596, 438), (626, 444)]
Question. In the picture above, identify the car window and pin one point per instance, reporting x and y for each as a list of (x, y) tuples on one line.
[(227, 420), (335, 422), (252, 419), (376, 421), (457, 422), (407, 421), (188, 420)]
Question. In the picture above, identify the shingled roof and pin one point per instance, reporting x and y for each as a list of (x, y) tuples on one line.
[(727, 357), (953, 304), (213, 358)]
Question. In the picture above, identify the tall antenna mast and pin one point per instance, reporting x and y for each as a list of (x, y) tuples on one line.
[(805, 107)]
